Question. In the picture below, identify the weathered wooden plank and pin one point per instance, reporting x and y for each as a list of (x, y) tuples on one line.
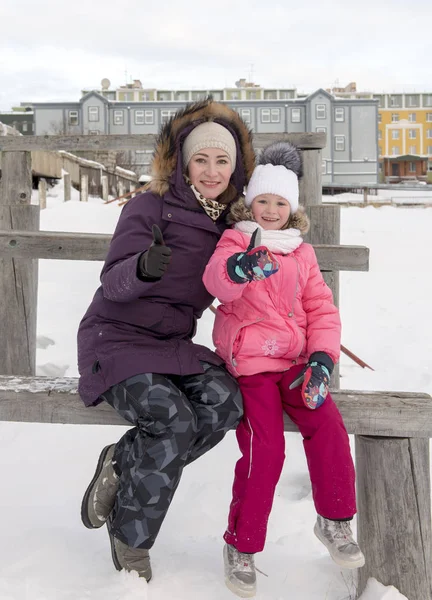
[(18, 277), (94, 246), (305, 141), (48, 143), (394, 516), (310, 188), (46, 400)]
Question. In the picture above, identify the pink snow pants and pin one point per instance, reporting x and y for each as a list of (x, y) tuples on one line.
[(261, 439)]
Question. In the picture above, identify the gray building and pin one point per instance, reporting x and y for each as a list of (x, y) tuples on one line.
[(21, 119), (351, 125)]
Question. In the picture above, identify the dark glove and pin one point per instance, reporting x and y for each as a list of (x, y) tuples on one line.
[(153, 263), (315, 379), (256, 263)]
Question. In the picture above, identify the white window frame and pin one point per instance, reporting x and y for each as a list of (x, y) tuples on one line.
[(166, 115), (320, 129), (93, 114), (139, 118), (412, 134), (149, 117), (412, 117), (412, 164), (395, 150), (395, 118), (275, 115), (94, 131), (235, 95), (295, 115), (73, 114), (320, 111), (339, 114), (379, 134), (429, 148), (412, 103), (24, 126), (429, 134), (265, 115), (145, 96), (429, 117), (339, 143), (323, 167), (428, 100), (413, 150), (118, 118), (395, 134), (246, 115), (395, 101)]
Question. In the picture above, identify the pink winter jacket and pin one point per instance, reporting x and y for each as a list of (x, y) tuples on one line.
[(273, 324)]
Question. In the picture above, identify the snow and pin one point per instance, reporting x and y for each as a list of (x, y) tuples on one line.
[(46, 553)]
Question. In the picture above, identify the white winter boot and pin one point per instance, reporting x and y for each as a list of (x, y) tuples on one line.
[(240, 576), (337, 537)]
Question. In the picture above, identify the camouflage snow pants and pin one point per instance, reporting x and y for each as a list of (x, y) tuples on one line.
[(177, 419)]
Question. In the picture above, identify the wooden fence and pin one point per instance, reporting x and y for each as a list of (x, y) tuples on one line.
[(392, 430)]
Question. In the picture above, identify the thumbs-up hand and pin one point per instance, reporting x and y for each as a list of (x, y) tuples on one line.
[(155, 261), (255, 264)]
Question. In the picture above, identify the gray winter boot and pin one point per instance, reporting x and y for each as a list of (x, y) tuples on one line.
[(99, 498), (130, 559), (337, 537), (240, 576)]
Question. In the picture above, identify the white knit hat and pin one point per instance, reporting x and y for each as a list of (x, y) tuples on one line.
[(209, 135), (274, 179)]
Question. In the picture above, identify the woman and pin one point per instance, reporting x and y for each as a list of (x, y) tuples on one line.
[(135, 348)]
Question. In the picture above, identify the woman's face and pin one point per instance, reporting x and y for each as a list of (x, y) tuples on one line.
[(271, 211), (210, 172)]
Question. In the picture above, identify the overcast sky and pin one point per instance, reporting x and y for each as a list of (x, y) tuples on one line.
[(50, 50)]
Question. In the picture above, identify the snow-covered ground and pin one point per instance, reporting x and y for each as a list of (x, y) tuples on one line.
[(398, 197), (46, 554)]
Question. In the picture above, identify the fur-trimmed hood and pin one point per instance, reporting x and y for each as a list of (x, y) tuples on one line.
[(240, 212), (167, 168)]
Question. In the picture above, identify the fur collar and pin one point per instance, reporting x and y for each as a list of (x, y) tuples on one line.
[(166, 161), (240, 212)]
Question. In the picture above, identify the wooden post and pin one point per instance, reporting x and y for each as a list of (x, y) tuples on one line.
[(311, 182), (67, 187), (104, 181), (84, 188), (132, 189), (18, 277), (365, 195), (120, 187), (394, 513), (325, 222), (42, 188)]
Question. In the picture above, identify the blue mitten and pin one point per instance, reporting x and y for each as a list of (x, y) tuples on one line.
[(315, 380), (256, 263)]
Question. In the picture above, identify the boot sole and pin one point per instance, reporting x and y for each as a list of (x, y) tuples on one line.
[(84, 504), (241, 593), (345, 564)]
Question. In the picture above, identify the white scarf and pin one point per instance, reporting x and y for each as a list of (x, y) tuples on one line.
[(281, 241)]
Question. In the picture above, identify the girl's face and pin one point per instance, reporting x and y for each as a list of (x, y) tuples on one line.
[(210, 172), (271, 211)]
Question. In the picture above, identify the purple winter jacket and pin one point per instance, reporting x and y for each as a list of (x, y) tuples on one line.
[(132, 326)]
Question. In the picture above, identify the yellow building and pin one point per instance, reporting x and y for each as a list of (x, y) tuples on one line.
[(404, 132)]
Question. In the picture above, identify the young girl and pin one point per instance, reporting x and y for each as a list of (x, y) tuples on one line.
[(278, 331)]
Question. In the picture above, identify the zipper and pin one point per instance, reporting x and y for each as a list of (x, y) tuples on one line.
[(293, 303)]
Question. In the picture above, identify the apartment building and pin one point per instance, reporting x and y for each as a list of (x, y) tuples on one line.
[(350, 156), (404, 131)]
